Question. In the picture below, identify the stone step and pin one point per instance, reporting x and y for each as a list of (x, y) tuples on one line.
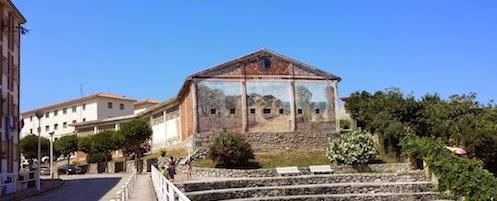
[(300, 180), (311, 189), (423, 196)]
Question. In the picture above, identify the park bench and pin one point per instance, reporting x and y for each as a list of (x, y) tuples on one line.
[(320, 169), (288, 170)]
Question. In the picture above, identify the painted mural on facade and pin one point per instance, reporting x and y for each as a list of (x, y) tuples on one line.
[(315, 103), (268, 104), (219, 105)]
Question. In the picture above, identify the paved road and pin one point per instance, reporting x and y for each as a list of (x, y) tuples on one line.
[(84, 188)]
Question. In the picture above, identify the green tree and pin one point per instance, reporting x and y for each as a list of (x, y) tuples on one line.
[(84, 144), (100, 146), (67, 145), (133, 139), (29, 146)]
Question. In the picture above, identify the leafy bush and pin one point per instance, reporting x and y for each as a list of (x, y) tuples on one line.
[(354, 148), (96, 157), (230, 150), (459, 176), (345, 124)]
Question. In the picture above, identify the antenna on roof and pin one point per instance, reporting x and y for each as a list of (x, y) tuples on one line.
[(81, 89)]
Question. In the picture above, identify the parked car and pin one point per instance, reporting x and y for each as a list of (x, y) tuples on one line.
[(69, 169), (45, 170)]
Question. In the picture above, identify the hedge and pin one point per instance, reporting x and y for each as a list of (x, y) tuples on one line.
[(457, 176)]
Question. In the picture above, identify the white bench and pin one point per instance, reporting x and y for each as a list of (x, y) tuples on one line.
[(320, 169), (287, 170)]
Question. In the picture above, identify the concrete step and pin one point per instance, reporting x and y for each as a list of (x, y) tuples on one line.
[(422, 196), (311, 189), (300, 180)]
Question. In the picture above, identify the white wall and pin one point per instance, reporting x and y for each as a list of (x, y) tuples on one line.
[(88, 114), (95, 109), (166, 133), (105, 112)]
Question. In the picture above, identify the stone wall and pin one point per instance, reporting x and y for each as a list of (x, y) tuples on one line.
[(261, 141), (301, 180), (270, 172)]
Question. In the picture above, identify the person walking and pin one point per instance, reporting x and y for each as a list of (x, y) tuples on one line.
[(171, 169), (189, 170)]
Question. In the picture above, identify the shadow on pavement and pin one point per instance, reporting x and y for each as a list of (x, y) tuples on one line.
[(80, 189)]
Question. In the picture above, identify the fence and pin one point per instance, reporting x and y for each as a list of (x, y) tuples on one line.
[(164, 189), (124, 193), (12, 182)]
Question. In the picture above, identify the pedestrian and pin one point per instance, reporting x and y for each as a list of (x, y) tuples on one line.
[(171, 168), (189, 170)]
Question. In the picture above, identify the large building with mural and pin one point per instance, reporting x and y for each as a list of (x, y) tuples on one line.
[(274, 100)]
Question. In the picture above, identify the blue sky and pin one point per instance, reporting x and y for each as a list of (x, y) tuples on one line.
[(146, 50)]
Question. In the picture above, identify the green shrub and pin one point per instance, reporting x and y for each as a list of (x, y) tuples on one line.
[(345, 124), (230, 150), (459, 176), (354, 148)]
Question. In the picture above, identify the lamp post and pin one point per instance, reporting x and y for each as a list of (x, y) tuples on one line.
[(39, 115), (51, 154)]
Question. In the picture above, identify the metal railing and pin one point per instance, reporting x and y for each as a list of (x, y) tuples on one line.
[(164, 189), (124, 192), (13, 182)]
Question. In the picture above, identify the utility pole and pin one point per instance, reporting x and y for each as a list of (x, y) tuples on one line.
[(51, 154), (39, 115)]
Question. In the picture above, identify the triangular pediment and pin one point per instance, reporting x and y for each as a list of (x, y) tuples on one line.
[(264, 63)]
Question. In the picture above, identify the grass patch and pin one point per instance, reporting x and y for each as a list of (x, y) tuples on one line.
[(300, 158), (178, 152)]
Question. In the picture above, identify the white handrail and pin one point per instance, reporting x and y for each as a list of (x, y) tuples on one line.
[(125, 191), (164, 189)]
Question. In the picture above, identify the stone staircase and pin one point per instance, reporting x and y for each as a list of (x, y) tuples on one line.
[(363, 186)]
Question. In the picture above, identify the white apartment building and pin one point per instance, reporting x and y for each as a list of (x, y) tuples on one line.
[(59, 118)]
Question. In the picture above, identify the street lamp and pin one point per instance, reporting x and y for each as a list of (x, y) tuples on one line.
[(51, 154), (39, 115)]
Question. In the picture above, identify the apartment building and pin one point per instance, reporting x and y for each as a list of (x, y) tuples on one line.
[(11, 32), (59, 118)]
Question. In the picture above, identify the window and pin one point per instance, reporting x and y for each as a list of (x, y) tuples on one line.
[(56, 126), (30, 130), (73, 121), (299, 111), (31, 118), (84, 119), (64, 111), (252, 111), (64, 125), (317, 111), (281, 111), (232, 111), (55, 112), (73, 108), (84, 106), (121, 106), (47, 128), (213, 111), (47, 114), (266, 111), (109, 105)]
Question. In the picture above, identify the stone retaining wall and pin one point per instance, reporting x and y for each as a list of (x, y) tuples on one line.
[(261, 141), (342, 188), (412, 176), (220, 172)]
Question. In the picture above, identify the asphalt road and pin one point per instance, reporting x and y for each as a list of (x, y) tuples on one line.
[(91, 187)]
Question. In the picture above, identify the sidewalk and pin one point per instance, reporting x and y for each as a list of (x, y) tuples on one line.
[(46, 185), (143, 189)]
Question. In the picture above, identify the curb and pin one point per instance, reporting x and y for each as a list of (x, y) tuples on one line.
[(38, 193)]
